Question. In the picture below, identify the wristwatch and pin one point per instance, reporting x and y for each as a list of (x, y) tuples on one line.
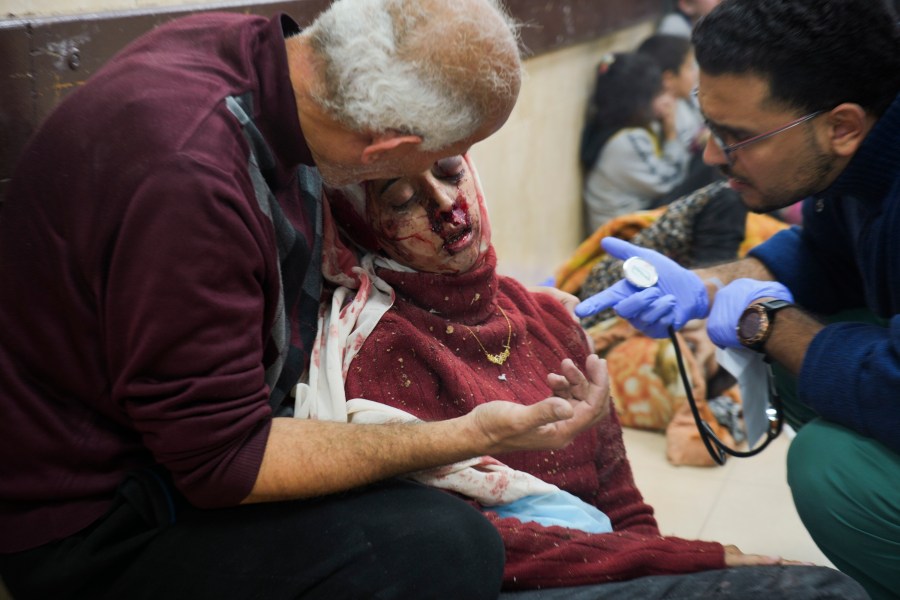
[(755, 325)]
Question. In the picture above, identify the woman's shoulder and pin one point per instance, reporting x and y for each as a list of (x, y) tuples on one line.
[(627, 135), (528, 300), (398, 326), (630, 141), (543, 310)]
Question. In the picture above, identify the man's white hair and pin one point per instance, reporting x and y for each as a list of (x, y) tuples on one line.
[(433, 68)]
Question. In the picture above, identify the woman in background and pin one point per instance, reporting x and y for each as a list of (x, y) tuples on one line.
[(630, 153)]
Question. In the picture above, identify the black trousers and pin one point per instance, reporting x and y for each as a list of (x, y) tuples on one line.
[(392, 540)]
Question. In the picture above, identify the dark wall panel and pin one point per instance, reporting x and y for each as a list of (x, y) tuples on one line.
[(17, 108), (550, 25)]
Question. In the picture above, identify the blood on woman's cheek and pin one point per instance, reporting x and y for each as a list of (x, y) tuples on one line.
[(407, 235)]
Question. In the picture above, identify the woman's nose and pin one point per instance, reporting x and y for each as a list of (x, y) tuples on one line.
[(444, 197), (447, 211)]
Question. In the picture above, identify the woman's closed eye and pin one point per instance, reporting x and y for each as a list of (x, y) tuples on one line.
[(401, 197), (456, 177), (450, 169)]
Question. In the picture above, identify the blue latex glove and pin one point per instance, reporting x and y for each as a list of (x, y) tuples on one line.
[(678, 296), (732, 300), (558, 508)]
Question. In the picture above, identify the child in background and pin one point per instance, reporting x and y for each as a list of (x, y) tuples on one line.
[(675, 56), (630, 153)]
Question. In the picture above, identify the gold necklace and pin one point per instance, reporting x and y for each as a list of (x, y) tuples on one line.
[(497, 359)]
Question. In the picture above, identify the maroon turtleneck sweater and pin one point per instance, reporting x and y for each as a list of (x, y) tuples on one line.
[(423, 359)]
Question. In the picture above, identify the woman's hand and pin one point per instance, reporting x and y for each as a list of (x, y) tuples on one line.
[(664, 109), (581, 401), (570, 301), (735, 558)]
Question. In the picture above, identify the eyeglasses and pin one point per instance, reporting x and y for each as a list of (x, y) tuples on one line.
[(717, 135), (728, 150)]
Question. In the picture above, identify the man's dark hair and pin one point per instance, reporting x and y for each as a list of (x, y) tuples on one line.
[(669, 51), (624, 89), (815, 54)]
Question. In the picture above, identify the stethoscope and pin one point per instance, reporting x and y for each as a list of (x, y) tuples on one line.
[(641, 274)]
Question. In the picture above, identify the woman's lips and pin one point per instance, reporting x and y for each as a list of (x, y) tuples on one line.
[(458, 241)]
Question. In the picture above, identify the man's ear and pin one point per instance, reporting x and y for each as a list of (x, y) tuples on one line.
[(389, 143), (848, 126)]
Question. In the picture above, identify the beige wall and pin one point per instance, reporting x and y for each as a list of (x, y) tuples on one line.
[(529, 168)]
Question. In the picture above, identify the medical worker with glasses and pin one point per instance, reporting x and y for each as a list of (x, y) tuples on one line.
[(801, 97)]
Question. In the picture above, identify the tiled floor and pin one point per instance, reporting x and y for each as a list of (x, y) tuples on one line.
[(746, 502)]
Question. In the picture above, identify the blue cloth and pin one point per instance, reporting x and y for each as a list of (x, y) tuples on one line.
[(558, 508), (548, 282), (847, 255)]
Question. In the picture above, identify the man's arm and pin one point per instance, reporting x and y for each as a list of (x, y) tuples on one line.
[(305, 458), (792, 331), (721, 275), (791, 335)]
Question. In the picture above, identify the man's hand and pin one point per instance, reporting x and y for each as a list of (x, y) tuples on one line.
[(580, 402), (679, 295), (732, 300), (306, 458)]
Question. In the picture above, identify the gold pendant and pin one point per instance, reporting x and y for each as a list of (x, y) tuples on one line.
[(498, 359)]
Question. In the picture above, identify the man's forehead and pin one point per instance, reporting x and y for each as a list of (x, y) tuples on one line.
[(723, 97)]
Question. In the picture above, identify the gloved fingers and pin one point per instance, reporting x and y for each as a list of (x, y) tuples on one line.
[(639, 305), (747, 291), (605, 299), (623, 250), (721, 326), (658, 330), (732, 300), (653, 317)]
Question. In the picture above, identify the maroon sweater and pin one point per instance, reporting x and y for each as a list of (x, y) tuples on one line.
[(140, 278), (428, 364)]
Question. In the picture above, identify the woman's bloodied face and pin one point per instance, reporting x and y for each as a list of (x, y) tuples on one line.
[(430, 222)]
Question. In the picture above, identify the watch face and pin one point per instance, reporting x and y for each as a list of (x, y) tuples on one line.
[(755, 324), (749, 324)]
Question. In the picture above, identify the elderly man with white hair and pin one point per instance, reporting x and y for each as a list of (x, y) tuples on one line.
[(160, 257)]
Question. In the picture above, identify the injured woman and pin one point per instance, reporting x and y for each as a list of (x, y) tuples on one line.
[(418, 324)]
